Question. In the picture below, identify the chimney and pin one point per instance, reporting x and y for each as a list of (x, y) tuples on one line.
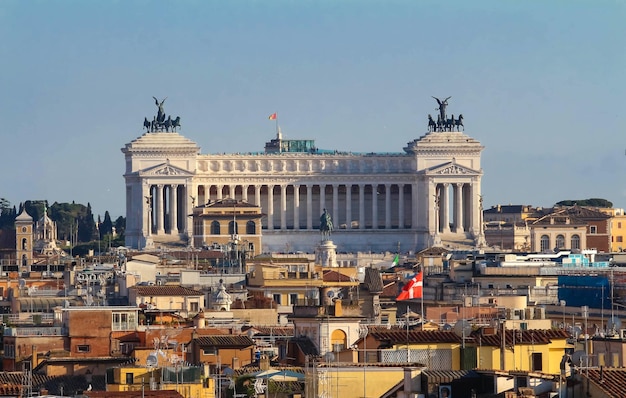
[(338, 308), (264, 362), (34, 359)]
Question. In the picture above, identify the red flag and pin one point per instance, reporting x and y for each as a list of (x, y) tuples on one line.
[(272, 116), (412, 289)]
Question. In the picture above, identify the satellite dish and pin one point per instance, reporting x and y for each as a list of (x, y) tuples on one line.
[(339, 295), (447, 327), (614, 323), (21, 282), (462, 328), (329, 356), (330, 294), (152, 360)]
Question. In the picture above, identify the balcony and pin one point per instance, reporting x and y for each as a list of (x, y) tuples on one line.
[(35, 331)]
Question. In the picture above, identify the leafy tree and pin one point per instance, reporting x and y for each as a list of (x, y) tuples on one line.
[(36, 208), (7, 214), (593, 202)]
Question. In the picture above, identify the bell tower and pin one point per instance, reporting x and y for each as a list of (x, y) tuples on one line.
[(24, 239)]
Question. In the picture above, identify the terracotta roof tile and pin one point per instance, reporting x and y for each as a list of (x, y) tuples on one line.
[(334, 276), (373, 280), (224, 341), (520, 337), (397, 336), (165, 291), (610, 381)]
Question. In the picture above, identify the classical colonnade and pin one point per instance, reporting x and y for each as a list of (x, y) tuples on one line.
[(299, 206)]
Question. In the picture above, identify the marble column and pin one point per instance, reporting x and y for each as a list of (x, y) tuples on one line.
[(270, 207), (174, 209), (387, 206), (445, 198), (400, 206), (296, 207), (458, 203), (244, 192), (349, 206), (322, 198), (361, 206), (257, 195), (309, 207), (433, 200), (335, 214), (220, 192), (207, 195), (159, 214), (283, 207), (375, 206)]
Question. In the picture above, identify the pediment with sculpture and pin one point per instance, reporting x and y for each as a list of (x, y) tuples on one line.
[(452, 168), (165, 169)]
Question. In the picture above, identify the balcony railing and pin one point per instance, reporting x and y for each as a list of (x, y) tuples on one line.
[(36, 331)]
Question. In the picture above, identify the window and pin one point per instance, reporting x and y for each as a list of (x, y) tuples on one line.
[(593, 229), (560, 242), (82, 348), (124, 321), (233, 228), (619, 225), (209, 351), (545, 243), (620, 238), (24, 244), (250, 228), (276, 298), (575, 242), (215, 228), (193, 307), (537, 362), (293, 298), (129, 378)]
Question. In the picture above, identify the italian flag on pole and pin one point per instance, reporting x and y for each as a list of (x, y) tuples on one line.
[(396, 261)]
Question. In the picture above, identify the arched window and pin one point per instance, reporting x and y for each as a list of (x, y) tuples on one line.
[(560, 242), (338, 340), (575, 242), (233, 228), (250, 228), (545, 243), (24, 260), (24, 244), (215, 228)]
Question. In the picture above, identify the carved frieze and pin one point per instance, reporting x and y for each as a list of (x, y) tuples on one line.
[(454, 169)]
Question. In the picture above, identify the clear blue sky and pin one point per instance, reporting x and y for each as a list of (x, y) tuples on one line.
[(539, 83)]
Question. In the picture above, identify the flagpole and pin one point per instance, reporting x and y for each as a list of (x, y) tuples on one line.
[(423, 285), (276, 120)]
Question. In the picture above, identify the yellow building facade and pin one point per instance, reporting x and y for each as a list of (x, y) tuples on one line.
[(188, 381)]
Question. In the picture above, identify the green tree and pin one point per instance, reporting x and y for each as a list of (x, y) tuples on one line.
[(7, 214), (593, 202), (120, 226), (86, 226), (106, 227)]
